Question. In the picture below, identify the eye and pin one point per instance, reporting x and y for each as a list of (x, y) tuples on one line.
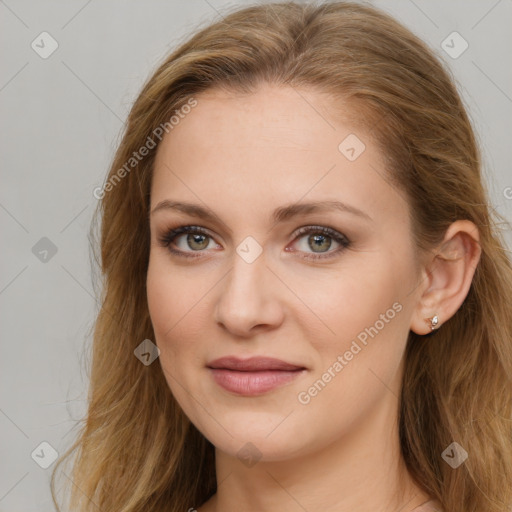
[(320, 240), (197, 239)]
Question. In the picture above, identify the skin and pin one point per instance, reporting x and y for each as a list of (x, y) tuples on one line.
[(242, 157)]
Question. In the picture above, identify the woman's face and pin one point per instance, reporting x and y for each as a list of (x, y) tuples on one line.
[(261, 278)]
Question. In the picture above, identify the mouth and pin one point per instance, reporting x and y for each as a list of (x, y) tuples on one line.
[(254, 376)]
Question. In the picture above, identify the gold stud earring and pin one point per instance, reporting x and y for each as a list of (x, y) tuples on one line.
[(433, 322)]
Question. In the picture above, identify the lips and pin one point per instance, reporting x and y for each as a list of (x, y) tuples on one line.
[(254, 376), (252, 364)]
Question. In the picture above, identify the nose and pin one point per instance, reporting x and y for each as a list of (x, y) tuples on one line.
[(249, 300)]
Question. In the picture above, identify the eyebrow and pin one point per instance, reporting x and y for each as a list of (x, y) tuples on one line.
[(280, 214)]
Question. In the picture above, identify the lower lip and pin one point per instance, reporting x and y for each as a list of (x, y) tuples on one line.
[(253, 383)]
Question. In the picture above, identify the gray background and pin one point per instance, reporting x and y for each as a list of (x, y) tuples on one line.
[(61, 120)]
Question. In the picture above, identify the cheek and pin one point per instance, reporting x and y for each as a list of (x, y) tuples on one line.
[(367, 313), (161, 302), (177, 306), (353, 299)]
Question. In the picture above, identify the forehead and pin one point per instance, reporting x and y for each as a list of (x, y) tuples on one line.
[(276, 146)]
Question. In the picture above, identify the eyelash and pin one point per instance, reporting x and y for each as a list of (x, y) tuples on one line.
[(344, 242)]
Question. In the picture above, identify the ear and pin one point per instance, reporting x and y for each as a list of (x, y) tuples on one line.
[(447, 276)]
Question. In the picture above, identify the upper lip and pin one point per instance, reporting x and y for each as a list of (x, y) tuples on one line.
[(252, 364)]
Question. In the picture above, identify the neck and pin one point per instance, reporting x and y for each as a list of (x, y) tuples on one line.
[(362, 470)]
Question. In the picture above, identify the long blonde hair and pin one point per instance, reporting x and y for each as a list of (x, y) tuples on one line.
[(136, 450)]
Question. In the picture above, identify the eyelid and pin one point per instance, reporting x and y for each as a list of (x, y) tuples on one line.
[(338, 237), (171, 234)]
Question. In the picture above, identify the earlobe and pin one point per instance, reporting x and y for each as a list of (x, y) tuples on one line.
[(450, 273), (433, 322)]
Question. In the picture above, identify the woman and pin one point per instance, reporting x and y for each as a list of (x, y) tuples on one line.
[(305, 293)]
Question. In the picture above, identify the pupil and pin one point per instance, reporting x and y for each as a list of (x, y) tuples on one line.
[(317, 240), (195, 238)]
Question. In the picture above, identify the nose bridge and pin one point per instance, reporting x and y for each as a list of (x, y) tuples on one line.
[(246, 298), (246, 280)]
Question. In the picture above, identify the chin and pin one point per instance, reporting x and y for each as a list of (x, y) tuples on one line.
[(260, 437), (252, 449)]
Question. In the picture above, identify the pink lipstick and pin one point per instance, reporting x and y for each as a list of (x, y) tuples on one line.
[(253, 376)]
